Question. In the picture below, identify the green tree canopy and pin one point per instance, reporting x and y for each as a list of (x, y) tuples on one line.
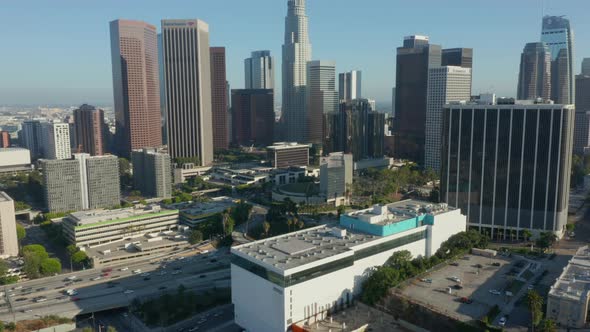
[(79, 257), (535, 305), (50, 267), (195, 237), (36, 249), (21, 233)]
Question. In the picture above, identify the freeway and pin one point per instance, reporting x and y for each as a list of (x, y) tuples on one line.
[(97, 290)]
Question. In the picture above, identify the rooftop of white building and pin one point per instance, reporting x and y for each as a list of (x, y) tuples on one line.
[(574, 282), (287, 145), (4, 197), (295, 249), (94, 217)]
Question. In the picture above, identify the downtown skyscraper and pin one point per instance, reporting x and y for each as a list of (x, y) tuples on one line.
[(350, 85), (534, 78), (219, 99), (322, 97), (296, 55), (559, 37), (136, 87), (259, 70), (186, 53), (89, 130)]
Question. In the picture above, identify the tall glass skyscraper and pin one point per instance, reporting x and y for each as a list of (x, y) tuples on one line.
[(534, 78), (559, 37), (296, 54), (322, 97), (259, 71)]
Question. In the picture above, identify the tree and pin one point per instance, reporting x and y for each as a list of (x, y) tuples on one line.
[(21, 233), (546, 240), (570, 227), (266, 227), (399, 258), (526, 234), (124, 167), (79, 257), (50, 266), (195, 237), (547, 325), (241, 212), (3, 268), (535, 305), (72, 249), (36, 249)]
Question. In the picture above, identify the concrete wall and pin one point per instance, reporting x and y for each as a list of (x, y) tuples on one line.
[(59, 328)]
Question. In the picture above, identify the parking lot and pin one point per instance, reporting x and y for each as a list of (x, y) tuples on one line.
[(472, 278)]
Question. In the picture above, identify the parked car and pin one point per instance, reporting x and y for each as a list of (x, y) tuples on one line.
[(458, 287), (502, 321), (466, 300), (495, 292), (496, 264)]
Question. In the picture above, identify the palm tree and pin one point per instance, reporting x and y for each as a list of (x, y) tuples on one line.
[(266, 227), (535, 305), (526, 234)]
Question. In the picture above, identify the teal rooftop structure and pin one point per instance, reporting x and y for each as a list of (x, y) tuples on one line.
[(394, 218)]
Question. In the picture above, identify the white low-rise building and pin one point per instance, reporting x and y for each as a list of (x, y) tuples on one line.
[(14, 159), (567, 302), (302, 276), (100, 227)]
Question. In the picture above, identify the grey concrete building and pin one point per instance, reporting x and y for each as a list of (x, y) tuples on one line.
[(445, 84), (152, 173), (31, 138), (508, 166), (336, 177), (185, 48), (534, 78), (350, 85), (582, 131), (81, 183), (8, 238), (259, 71), (322, 97)]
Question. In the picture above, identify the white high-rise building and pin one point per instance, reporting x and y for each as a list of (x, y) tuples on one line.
[(8, 237), (445, 84), (322, 97), (260, 71), (350, 85), (187, 77), (296, 55), (56, 140)]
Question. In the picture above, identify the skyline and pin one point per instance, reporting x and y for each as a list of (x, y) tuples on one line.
[(65, 77)]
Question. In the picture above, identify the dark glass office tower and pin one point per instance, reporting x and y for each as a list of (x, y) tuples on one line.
[(413, 62), (460, 57), (508, 166), (355, 129)]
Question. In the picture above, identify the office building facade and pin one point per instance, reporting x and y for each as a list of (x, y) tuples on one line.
[(534, 78), (300, 278), (296, 55), (508, 166), (350, 85), (55, 140), (582, 127), (253, 117), (8, 237), (322, 97), (31, 137), (458, 57), (81, 183), (136, 85), (559, 38), (101, 227), (355, 129), (187, 73), (152, 173), (219, 99), (283, 154), (259, 70), (413, 61), (445, 84), (89, 130), (5, 140), (336, 177)]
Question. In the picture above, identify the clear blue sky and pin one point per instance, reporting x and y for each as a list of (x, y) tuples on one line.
[(58, 51)]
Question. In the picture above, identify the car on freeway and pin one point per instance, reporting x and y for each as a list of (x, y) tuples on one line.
[(17, 288), (428, 281), (146, 278), (61, 297), (214, 260), (129, 291), (27, 311), (20, 299), (60, 287), (495, 292), (176, 272), (138, 271), (502, 321), (458, 287), (41, 289), (178, 268), (108, 269), (466, 300), (192, 329), (496, 264), (147, 274), (71, 278), (455, 279), (180, 258), (40, 299), (96, 278), (71, 292), (124, 268), (75, 299)]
